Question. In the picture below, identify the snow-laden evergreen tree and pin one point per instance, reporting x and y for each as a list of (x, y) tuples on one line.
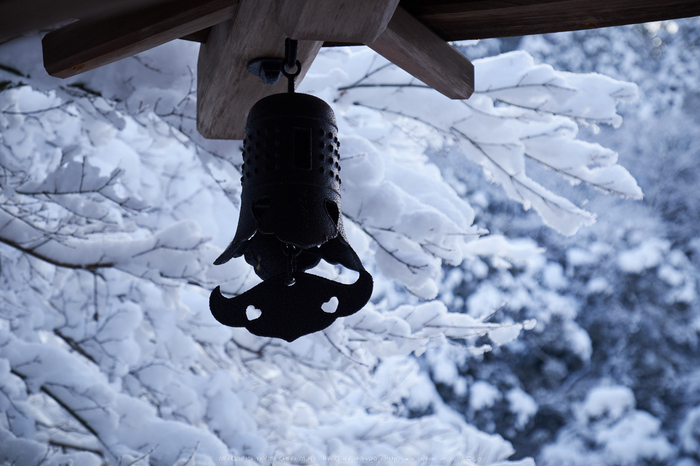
[(112, 209), (609, 375)]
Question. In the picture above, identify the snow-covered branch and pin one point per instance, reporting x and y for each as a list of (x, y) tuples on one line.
[(112, 209), (530, 112)]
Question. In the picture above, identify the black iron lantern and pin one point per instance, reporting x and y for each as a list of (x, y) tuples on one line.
[(290, 219)]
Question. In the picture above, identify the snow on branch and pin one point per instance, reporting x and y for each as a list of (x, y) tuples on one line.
[(414, 219), (529, 112), (77, 191), (413, 329), (112, 209)]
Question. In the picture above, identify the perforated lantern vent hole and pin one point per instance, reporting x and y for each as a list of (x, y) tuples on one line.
[(315, 151)]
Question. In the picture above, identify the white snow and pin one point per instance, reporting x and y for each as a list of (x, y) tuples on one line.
[(633, 438), (689, 431), (553, 276), (647, 255), (610, 402), (483, 395), (598, 285), (522, 405)]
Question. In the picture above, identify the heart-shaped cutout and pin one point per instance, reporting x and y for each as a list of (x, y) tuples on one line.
[(330, 306)]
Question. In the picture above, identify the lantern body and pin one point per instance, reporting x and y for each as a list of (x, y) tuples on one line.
[(291, 183), (290, 219)]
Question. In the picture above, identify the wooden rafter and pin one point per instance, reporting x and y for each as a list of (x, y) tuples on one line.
[(85, 45), (22, 16), (419, 51)]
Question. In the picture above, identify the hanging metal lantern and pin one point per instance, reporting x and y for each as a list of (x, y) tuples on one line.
[(290, 219)]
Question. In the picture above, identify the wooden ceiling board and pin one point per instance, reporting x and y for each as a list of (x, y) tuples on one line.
[(338, 20), (482, 19)]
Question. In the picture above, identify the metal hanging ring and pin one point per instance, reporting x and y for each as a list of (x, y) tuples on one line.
[(289, 74), (291, 77)]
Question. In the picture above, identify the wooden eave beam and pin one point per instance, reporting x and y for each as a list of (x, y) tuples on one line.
[(418, 50), (482, 19), (23, 16), (88, 44)]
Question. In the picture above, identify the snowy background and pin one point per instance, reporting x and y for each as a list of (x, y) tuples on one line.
[(534, 249)]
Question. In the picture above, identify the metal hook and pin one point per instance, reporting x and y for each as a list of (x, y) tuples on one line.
[(269, 70), (291, 48)]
